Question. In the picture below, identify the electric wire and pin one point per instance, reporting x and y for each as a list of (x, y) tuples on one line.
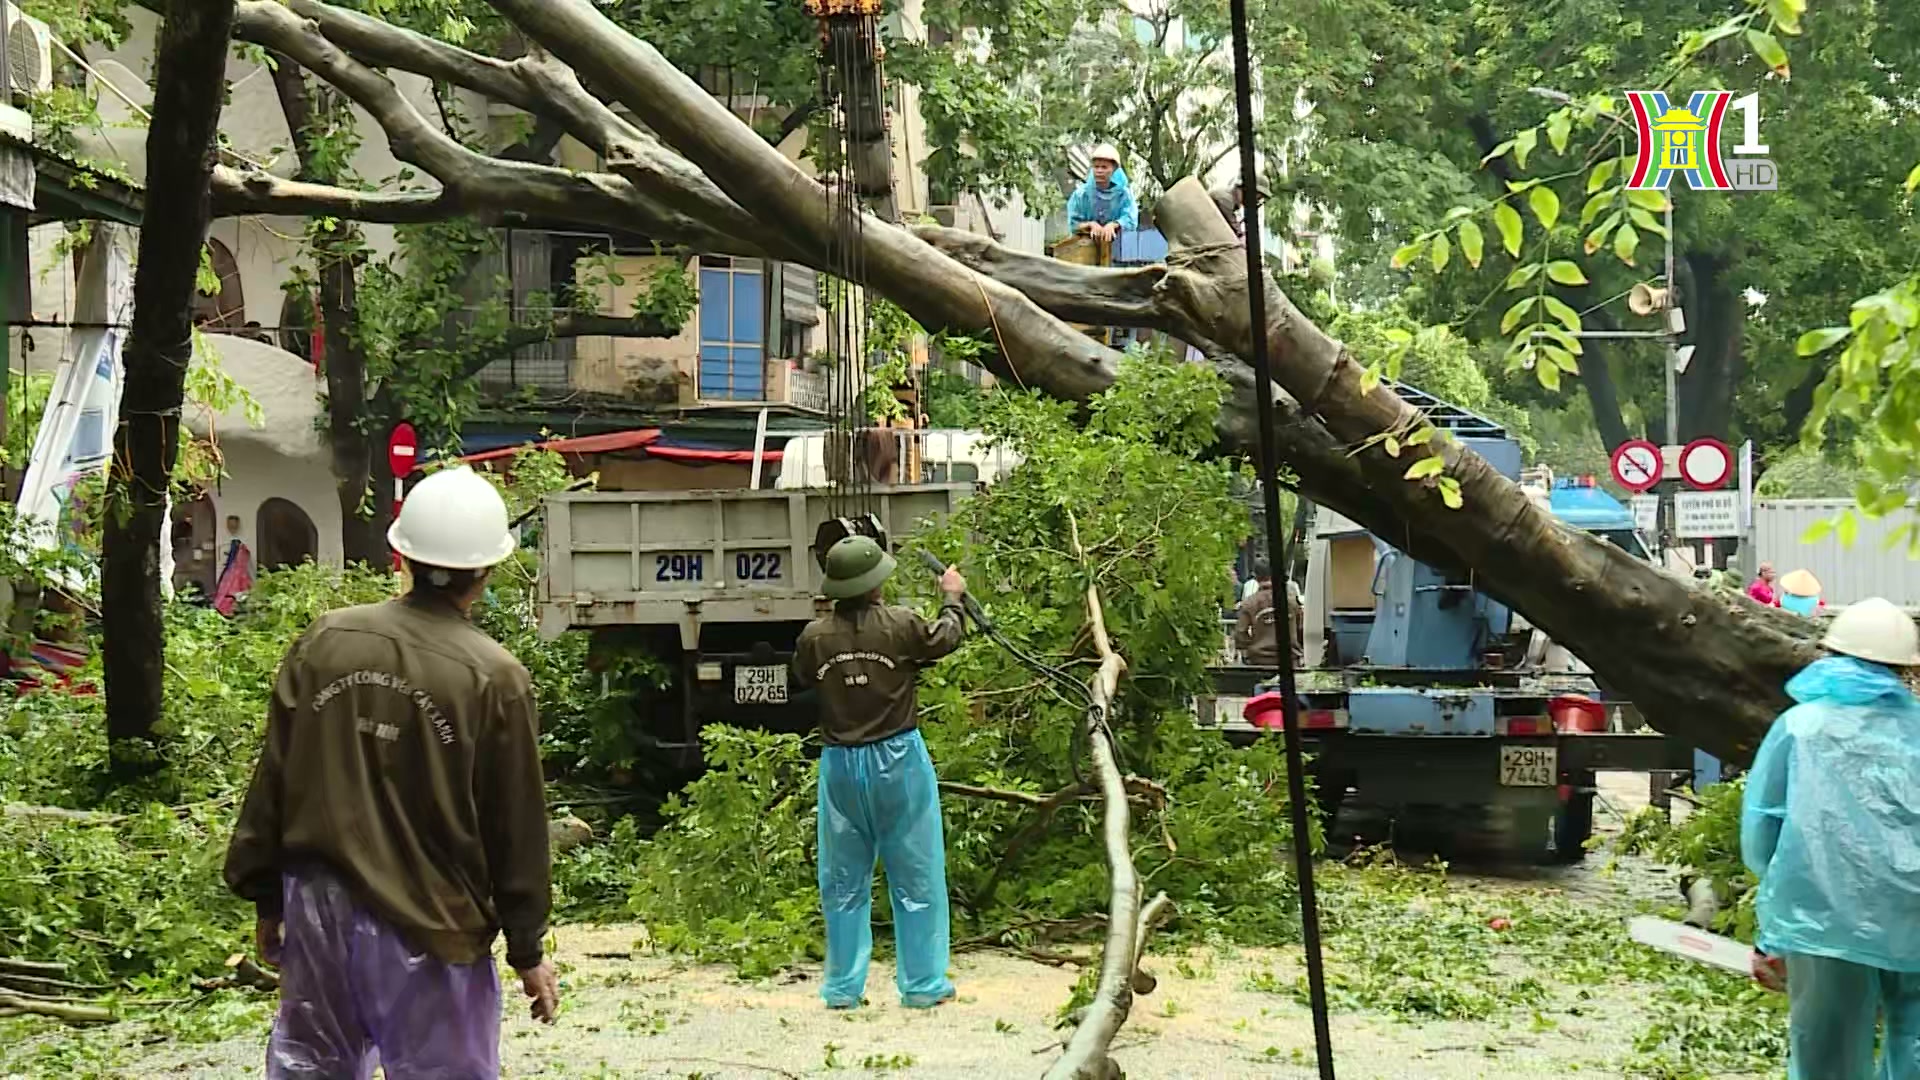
[(1276, 538)]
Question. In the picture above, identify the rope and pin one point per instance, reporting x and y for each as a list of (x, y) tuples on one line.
[(998, 341)]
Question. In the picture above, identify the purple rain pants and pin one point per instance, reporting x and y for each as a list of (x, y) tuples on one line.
[(352, 993)]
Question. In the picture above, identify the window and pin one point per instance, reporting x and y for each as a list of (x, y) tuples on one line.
[(733, 322), (794, 339)]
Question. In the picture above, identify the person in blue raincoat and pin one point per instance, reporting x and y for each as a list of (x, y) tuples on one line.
[(879, 796), (1102, 206), (1831, 826)]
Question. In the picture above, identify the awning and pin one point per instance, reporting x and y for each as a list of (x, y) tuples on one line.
[(648, 440), (585, 444)]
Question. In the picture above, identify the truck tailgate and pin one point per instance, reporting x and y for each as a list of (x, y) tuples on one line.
[(666, 558)]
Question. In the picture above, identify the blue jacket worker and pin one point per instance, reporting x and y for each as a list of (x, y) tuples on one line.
[(1102, 206), (1831, 825), (879, 797)]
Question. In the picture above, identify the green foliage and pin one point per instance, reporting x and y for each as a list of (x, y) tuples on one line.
[(135, 898), (1409, 944), (1443, 141), (1803, 474), (1158, 529), (1873, 390), (1707, 843), (756, 908)]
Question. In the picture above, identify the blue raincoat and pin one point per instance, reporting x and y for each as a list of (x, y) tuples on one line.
[(1104, 206), (1831, 825), (882, 800)]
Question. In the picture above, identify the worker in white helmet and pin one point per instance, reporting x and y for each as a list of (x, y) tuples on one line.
[(396, 822), (1828, 826), (1102, 206)]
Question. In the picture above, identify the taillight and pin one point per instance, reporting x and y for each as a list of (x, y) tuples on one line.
[(1528, 725)]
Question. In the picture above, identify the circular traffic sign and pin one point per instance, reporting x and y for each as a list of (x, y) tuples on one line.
[(1636, 465), (1706, 464), (403, 446)]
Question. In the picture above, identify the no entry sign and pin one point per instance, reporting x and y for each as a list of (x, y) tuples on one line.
[(403, 447), (1706, 464), (1636, 465)]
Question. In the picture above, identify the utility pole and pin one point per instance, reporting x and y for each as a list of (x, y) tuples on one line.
[(1669, 509)]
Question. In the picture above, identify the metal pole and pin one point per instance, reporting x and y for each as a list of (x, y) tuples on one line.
[(1276, 541), (759, 448), (1669, 511)]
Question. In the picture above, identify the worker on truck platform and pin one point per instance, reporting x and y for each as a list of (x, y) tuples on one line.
[(1102, 206), (1828, 825), (1256, 629), (396, 821), (878, 792)]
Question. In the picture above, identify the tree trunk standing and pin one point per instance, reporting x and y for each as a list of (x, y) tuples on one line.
[(190, 87), (366, 508), (1716, 321)]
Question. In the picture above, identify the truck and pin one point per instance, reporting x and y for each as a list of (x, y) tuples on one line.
[(716, 585), (1432, 706)]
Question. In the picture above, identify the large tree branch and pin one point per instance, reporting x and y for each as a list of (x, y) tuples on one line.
[(1087, 1054), (236, 194), (1700, 666), (472, 182)]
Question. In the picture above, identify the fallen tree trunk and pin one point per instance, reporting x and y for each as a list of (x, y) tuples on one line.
[(1705, 667), (1086, 1056)]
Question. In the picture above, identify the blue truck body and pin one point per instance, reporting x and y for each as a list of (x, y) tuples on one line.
[(1422, 711)]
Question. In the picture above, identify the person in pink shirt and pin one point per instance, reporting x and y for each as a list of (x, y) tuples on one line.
[(1762, 588)]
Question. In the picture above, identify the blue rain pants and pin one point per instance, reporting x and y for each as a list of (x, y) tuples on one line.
[(883, 800), (1835, 1005)]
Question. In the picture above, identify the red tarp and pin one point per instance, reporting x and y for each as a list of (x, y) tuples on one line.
[(642, 438), (692, 454), (585, 444)]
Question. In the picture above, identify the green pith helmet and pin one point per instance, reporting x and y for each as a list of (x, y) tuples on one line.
[(856, 566)]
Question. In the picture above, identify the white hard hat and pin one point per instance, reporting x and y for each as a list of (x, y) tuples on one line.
[(1105, 152), (1875, 630), (453, 519)]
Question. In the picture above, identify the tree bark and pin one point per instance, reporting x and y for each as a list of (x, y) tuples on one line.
[(1702, 666), (1717, 317), (189, 89)]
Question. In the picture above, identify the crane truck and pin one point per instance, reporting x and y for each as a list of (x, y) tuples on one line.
[(1433, 706)]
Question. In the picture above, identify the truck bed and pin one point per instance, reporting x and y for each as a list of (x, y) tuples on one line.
[(683, 558)]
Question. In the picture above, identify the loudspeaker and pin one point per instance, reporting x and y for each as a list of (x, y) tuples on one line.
[(1645, 299)]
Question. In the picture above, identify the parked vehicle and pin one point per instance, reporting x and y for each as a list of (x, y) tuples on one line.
[(715, 584), (1422, 706)]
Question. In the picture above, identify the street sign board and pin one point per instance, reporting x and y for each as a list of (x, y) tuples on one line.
[(1704, 515), (1706, 464), (1646, 513), (1636, 465), (403, 447)]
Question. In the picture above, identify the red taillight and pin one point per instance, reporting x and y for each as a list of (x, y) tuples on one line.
[(1528, 725), (1319, 718)]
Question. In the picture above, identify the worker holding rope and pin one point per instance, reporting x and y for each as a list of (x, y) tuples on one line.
[(878, 793)]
